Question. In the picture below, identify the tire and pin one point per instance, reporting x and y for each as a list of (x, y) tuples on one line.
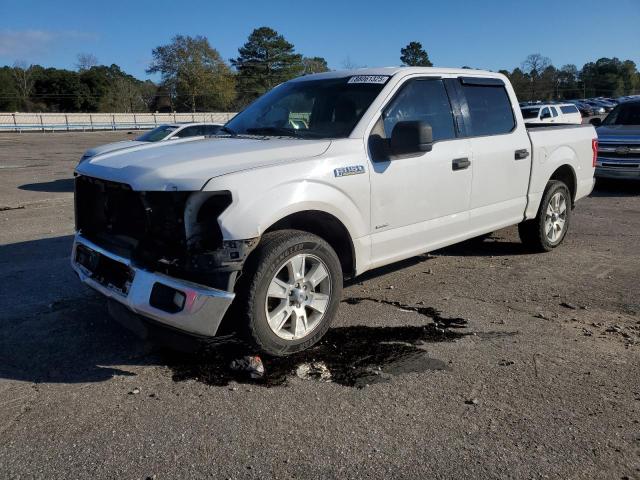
[(270, 289), (535, 233)]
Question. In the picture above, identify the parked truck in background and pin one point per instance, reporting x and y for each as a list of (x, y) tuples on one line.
[(619, 140), (322, 178)]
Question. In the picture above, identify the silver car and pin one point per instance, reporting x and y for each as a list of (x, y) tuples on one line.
[(161, 133)]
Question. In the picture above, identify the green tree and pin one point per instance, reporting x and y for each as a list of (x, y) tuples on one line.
[(567, 82), (264, 61), (534, 66), (194, 73), (414, 55), (314, 65), (9, 96), (24, 79)]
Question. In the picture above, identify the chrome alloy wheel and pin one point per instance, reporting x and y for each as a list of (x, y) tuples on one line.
[(556, 217), (298, 296)]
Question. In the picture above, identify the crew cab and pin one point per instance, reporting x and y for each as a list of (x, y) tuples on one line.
[(270, 216)]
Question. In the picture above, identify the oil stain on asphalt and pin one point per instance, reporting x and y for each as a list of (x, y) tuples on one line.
[(354, 356)]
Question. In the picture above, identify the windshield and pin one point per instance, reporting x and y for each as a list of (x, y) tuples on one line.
[(624, 114), (328, 108), (530, 112), (157, 134)]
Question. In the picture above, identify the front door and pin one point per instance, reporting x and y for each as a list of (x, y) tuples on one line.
[(419, 202)]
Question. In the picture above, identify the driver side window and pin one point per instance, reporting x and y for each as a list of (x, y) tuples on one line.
[(424, 100)]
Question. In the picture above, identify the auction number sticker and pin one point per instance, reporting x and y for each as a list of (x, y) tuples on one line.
[(369, 79)]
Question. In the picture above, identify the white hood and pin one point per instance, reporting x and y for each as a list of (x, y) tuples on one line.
[(188, 166), (110, 147)]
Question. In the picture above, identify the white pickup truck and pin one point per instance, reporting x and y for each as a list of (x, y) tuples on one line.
[(324, 177)]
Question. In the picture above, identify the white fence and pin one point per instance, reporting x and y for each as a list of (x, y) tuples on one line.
[(48, 122)]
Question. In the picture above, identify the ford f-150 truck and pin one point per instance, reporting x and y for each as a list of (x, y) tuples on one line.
[(322, 178)]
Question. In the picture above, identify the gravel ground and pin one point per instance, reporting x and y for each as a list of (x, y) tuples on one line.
[(477, 361)]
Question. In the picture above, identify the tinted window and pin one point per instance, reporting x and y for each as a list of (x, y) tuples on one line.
[(157, 134), (424, 100), (545, 113), (554, 112), (189, 132), (210, 129), (568, 109), (530, 112), (489, 109), (624, 114)]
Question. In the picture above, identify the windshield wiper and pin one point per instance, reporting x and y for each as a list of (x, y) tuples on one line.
[(274, 131), (228, 130)]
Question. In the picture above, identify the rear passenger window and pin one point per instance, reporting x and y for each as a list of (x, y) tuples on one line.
[(489, 109), (424, 100), (568, 109)]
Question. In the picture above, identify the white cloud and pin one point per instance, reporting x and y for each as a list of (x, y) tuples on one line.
[(26, 44)]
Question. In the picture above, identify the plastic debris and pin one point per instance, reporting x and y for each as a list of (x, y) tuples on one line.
[(251, 365), (314, 371)]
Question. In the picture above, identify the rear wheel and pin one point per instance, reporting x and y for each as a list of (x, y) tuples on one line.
[(291, 291), (548, 229)]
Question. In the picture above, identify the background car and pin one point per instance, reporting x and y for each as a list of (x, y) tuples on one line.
[(585, 110), (561, 113), (161, 133), (619, 142)]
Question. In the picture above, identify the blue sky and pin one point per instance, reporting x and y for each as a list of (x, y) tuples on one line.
[(487, 34)]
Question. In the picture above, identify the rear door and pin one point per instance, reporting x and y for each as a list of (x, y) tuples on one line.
[(421, 201), (501, 154)]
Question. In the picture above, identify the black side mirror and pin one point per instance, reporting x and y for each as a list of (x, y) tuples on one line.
[(411, 137), (596, 122)]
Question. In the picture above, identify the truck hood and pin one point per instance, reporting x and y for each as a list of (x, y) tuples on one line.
[(110, 147), (188, 166), (619, 133)]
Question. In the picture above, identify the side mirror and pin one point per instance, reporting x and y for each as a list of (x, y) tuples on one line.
[(545, 116), (411, 137), (596, 122)]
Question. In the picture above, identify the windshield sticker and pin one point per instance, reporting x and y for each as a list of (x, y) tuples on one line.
[(346, 171), (379, 79)]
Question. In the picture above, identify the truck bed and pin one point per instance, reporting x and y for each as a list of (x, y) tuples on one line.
[(555, 145)]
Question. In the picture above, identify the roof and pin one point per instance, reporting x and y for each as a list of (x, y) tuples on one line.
[(542, 105), (390, 71)]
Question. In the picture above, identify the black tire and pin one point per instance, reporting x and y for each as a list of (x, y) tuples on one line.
[(274, 250), (533, 233)]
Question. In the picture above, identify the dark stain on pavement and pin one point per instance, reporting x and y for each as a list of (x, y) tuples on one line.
[(355, 356)]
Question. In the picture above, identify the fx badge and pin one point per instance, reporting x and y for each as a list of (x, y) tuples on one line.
[(346, 171)]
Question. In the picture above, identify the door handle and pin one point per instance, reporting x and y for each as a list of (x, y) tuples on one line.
[(460, 163), (521, 154)]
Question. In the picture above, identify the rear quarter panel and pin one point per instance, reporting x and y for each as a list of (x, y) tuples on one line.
[(553, 148)]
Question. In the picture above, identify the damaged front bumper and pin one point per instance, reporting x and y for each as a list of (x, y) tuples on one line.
[(186, 306)]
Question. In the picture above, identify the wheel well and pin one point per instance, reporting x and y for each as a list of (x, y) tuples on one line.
[(327, 227), (566, 175)]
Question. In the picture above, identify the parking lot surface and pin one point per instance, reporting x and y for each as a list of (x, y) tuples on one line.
[(480, 360)]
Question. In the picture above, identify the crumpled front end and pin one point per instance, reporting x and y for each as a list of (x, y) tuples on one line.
[(161, 254)]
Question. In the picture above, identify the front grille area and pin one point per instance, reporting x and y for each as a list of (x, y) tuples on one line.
[(619, 151), (147, 226)]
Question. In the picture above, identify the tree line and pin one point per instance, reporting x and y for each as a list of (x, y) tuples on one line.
[(195, 77)]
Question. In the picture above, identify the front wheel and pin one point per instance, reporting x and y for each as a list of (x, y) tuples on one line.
[(548, 229), (291, 291)]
